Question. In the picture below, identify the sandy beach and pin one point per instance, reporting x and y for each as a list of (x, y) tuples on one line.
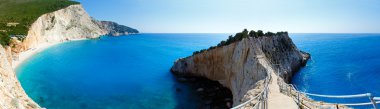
[(32, 51)]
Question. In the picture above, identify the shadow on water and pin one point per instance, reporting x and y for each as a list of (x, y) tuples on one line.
[(211, 94)]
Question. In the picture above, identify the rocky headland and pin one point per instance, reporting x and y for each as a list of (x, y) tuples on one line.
[(71, 23), (114, 29), (67, 24), (243, 64)]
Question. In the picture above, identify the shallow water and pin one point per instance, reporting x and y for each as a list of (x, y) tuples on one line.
[(127, 72), (341, 64)]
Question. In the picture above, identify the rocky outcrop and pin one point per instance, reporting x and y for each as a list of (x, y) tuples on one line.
[(114, 29), (237, 66), (12, 96)]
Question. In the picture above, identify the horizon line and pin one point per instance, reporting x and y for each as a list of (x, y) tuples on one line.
[(237, 32)]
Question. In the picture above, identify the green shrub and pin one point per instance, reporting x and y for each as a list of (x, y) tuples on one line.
[(244, 34), (260, 33), (269, 34), (25, 12), (229, 40), (4, 39), (212, 47), (252, 33), (240, 36), (221, 43), (279, 33)]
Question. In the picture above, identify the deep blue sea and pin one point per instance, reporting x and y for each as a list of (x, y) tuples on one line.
[(132, 72), (126, 72), (341, 64)]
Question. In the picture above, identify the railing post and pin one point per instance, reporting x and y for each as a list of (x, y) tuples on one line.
[(259, 104), (298, 99), (373, 101), (290, 92), (264, 99)]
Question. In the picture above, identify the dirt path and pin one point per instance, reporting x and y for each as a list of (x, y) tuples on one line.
[(277, 100)]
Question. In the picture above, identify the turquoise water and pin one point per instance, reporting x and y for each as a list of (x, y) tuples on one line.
[(127, 72), (132, 72), (340, 64)]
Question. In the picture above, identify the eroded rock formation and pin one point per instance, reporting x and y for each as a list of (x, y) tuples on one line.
[(12, 96), (70, 23), (237, 66)]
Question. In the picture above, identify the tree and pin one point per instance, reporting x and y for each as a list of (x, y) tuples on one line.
[(269, 34), (260, 33), (280, 33), (222, 43), (4, 39), (238, 36), (252, 33), (229, 40), (244, 33)]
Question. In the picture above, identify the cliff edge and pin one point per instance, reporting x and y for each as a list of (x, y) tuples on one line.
[(12, 95), (240, 65), (70, 23)]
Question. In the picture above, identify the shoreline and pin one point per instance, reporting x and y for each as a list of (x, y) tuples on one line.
[(23, 56)]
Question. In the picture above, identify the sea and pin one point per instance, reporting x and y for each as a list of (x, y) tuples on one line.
[(133, 72), (341, 64)]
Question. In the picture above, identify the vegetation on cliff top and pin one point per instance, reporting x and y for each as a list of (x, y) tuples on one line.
[(16, 16), (4, 39), (240, 36)]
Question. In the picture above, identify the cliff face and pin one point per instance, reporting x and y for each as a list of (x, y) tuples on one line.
[(66, 24), (237, 65), (12, 96), (114, 29)]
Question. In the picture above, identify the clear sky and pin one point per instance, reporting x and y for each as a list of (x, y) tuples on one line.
[(230, 16)]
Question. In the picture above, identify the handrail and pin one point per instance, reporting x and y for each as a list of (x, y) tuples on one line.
[(305, 106), (257, 96), (373, 100), (376, 98), (261, 94), (361, 104), (336, 96), (369, 95), (243, 104), (349, 104)]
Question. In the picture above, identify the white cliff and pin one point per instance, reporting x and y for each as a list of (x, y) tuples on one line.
[(237, 66), (69, 23), (12, 96)]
